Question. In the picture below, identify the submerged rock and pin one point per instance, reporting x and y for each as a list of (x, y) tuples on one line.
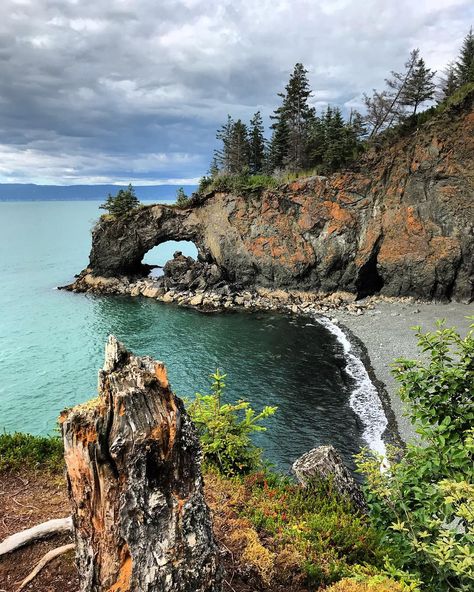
[(324, 462)]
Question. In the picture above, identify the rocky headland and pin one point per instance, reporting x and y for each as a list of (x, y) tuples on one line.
[(399, 223), (392, 236)]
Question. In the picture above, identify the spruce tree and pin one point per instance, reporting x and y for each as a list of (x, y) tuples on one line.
[(122, 203), (239, 148), (293, 123), (465, 63), (419, 86), (298, 115), (222, 156), (317, 142), (447, 83), (214, 167), (256, 144), (279, 144), (337, 145)]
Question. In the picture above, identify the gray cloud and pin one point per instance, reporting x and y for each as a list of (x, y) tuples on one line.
[(108, 90)]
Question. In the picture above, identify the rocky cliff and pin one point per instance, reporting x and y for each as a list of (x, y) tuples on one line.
[(399, 223)]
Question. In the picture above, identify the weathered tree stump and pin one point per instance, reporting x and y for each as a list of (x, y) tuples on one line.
[(140, 519), (324, 462)]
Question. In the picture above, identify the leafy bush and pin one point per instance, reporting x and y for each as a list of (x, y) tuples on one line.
[(124, 202), (373, 584), (19, 451), (425, 500), (225, 429)]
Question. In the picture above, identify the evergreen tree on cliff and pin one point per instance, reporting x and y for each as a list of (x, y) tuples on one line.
[(122, 203), (256, 144), (234, 155), (419, 86), (447, 83), (292, 122), (278, 150), (222, 156), (465, 63), (239, 148), (386, 108), (334, 142)]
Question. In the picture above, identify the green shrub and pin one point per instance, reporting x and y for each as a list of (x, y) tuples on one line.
[(124, 202), (373, 584), (19, 451), (243, 183), (321, 526), (424, 502), (182, 200), (225, 429)]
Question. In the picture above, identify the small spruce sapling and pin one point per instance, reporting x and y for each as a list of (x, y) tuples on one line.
[(225, 429)]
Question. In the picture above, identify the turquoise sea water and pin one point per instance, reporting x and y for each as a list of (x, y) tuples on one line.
[(51, 342)]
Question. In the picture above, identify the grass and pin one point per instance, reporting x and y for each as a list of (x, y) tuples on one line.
[(241, 184), (289, 534), (304, 539), (19, 451)]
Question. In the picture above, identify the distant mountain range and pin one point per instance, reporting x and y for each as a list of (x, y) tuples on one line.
[(31, 192)]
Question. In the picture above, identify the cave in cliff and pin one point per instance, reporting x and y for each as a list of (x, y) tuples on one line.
[(369, 281)]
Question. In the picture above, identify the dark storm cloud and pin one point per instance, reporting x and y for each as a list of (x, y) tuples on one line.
[(115, 90)]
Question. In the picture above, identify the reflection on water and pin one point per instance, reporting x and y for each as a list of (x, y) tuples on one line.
[(52, 342)]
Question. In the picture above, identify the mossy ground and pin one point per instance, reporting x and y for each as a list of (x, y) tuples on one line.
[(274, 535)]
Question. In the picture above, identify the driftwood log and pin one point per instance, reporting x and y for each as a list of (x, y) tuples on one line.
[(43, 562), (324, 462), (36, 533), (132, 456)]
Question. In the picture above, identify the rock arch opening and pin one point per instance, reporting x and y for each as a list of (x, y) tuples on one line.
[(157, 257), (181, 265)]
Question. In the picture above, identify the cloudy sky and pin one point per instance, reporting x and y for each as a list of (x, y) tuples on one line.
[(99, 91)]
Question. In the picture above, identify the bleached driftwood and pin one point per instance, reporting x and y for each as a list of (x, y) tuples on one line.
[(40, 531), (49, 556)]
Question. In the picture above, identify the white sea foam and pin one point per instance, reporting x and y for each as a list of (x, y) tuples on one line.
[(364, 400)]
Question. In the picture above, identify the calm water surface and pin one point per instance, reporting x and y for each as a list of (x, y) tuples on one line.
[(51, 342)]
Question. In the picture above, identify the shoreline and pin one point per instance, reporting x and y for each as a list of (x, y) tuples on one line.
[(386, 333), (373, 400), (379, 328)]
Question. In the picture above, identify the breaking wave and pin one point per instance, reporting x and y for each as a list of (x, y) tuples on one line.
[(364, 400)]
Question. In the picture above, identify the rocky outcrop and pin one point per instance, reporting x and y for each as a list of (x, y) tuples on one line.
[(399, 224), (133, 469), (325, 463)]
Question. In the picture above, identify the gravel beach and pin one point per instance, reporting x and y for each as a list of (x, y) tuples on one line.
[(386, 333)]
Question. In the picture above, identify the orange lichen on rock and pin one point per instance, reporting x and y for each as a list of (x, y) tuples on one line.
[(339, 218)]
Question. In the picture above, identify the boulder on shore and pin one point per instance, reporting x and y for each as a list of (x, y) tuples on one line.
[(324, 462)]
